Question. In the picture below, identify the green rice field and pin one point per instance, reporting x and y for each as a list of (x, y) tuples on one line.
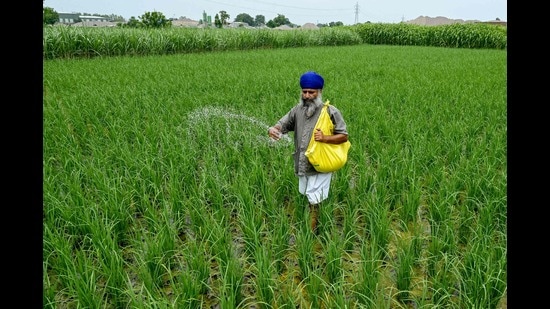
[(162, 189)]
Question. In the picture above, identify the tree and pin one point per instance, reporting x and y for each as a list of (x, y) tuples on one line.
[(217, 21), (155, 20), (224, 17), (260, 20), (132, 23), (115, 18), (49, 16), (278, 21), (245, 18), (335, 24)]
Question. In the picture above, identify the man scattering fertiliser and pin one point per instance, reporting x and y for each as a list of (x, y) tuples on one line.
[(302, 119)]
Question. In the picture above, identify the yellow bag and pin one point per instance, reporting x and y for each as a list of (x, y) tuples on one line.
[(326, 157)]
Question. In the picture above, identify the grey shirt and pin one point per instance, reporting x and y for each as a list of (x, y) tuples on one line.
[(297, 121)]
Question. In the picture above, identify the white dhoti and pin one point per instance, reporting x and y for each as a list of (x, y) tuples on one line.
[(315, 187)]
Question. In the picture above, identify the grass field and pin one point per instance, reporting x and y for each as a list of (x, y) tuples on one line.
[(162, 189)]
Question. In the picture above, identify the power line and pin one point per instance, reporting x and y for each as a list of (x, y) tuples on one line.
[(278, 5), (301, 8)]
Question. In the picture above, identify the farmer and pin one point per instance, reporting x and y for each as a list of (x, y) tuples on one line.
[(301, 119)]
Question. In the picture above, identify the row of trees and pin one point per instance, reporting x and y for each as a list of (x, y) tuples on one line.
[(221, 19), (158, 20)]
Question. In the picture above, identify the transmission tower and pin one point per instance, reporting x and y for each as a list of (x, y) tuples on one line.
[(357, 12)]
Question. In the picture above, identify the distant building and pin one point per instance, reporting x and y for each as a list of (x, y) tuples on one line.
[(68, 18), (185, 22), (93, 18), (95, 24), (75, 18)]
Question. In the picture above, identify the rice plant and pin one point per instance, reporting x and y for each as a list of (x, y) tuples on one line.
[(161, 188)]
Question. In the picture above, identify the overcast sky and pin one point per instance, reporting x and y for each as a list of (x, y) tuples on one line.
[(298, 12)]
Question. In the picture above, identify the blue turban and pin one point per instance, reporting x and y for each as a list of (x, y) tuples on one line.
[(311, 80)]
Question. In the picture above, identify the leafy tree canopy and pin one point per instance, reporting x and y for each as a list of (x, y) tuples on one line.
[(224, 17), (217, 21), (331, 24), (221, 19), (278, 21), (259, 20), (155, 20), (148, 20), (132, 23), (245, 18), (49, 16)]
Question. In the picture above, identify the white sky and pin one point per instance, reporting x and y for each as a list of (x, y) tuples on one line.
[(297, 11)]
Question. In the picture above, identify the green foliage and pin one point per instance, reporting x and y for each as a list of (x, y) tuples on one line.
[(132, 23), (473, 35), (224, 17), (271, 24), (221, 19), (245, 18), (331, 24), (149, 20), (114, 17), (49, 16), (155, 20), (217, 21), (259, 20), (70, 42), (155, 166), (278, 21)]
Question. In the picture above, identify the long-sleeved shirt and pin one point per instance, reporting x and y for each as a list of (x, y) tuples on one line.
[(297, 121)]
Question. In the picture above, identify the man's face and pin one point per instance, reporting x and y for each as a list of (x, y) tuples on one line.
[(309, 95)]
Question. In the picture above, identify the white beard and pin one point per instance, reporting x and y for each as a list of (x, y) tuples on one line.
[(312, 107)]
